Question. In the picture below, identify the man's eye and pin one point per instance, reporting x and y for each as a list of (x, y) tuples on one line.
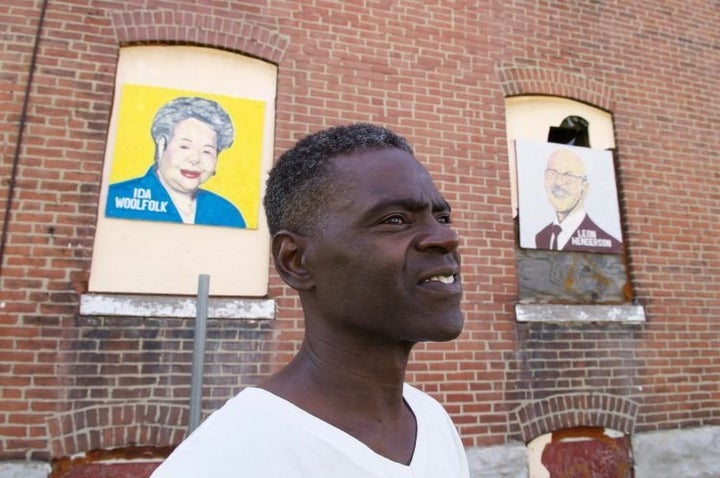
[(396, 219), (444, 219)]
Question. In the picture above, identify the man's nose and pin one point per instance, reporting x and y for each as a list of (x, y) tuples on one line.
[(438, 236)]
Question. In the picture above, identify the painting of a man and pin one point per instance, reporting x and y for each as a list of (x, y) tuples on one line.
[(189, 133), (567, 185)]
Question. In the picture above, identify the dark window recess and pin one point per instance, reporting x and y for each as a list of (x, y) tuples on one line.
[(572, 131)]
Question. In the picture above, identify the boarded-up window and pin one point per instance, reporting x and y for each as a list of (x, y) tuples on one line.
[(189, 146)]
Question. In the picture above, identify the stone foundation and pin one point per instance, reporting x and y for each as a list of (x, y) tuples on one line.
[(688, 453)]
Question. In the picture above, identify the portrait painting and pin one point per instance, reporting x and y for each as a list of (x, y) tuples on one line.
[(186, 157), (567, 198)]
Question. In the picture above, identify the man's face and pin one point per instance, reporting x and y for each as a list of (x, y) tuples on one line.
[(385, 264), (190, 156), (565, 182)]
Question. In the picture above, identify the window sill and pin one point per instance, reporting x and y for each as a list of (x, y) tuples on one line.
[(624, 314), (127, 305)]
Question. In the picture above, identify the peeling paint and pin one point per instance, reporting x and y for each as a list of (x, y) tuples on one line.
[(592, 452)]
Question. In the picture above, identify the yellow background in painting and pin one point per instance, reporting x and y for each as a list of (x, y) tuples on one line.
[(238, 168)]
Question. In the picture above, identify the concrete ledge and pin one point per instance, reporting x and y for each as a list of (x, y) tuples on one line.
[(631, 314), (24, 469), (178, 307)]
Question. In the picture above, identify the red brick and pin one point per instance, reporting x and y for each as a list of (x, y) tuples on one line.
[(445, 91)]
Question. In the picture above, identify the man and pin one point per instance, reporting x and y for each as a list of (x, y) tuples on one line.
[(566, 186), (189, 133), (360, 231)]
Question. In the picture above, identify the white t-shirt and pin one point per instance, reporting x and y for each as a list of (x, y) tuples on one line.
[(258, 434)]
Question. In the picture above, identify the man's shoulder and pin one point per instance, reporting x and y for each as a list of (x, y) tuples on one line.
[(422, 403), (410, 391), (243, 425)]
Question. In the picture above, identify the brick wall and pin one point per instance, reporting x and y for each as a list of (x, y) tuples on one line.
[(438, 73), (129, 378)]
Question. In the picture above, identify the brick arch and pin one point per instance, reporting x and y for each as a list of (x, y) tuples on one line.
[(116, 425), (525, 80), (571, 410), (171, 26)]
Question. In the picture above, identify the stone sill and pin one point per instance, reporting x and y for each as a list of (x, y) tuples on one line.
[(623, 314), (126, 305)]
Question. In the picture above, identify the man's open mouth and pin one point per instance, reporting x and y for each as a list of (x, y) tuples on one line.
[(444, 278)]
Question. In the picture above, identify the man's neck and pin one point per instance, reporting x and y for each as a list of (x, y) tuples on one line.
[(358, 390), (369, 377)]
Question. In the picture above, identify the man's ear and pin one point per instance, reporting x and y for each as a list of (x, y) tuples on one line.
[(288, 251)]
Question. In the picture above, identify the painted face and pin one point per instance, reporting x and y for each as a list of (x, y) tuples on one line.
[(386, 262), (189, 158), (565, 182)]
